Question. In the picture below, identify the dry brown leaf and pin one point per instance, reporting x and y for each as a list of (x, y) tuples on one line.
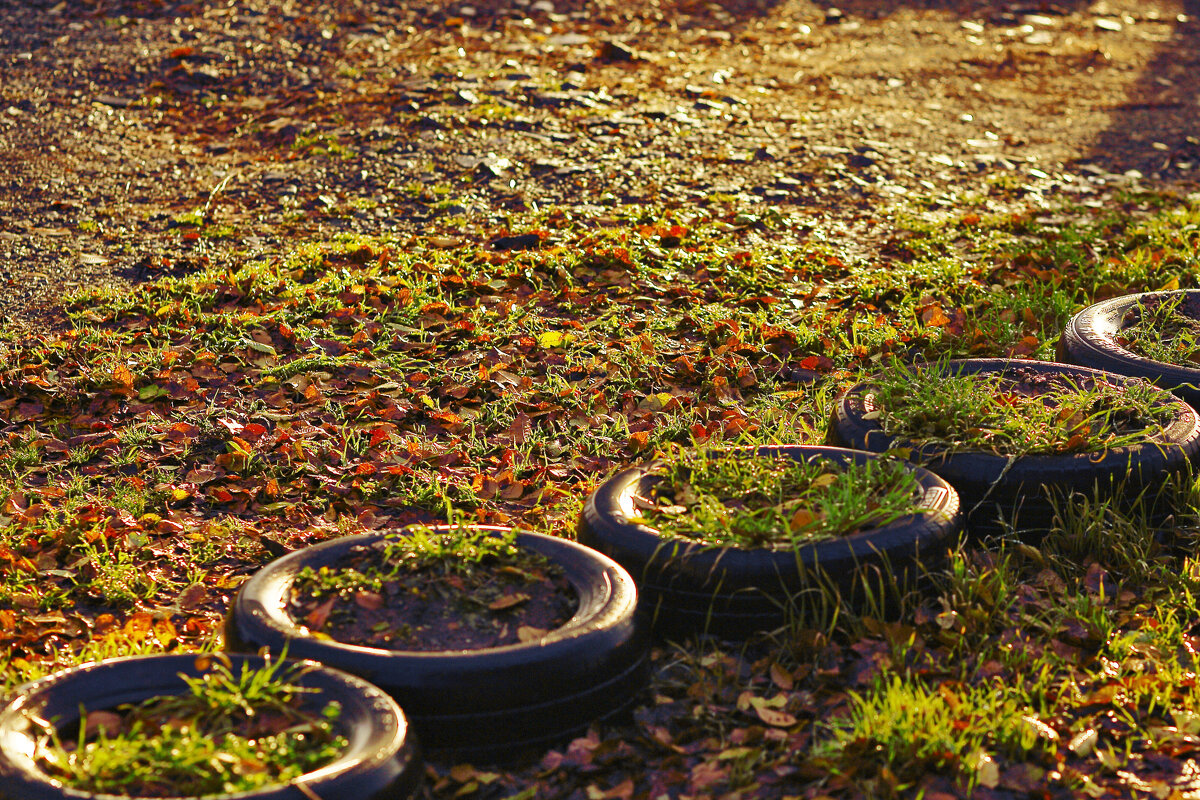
[(778, 719), (371, 601), (526, 633), (508, 601), (320, 615), (801, 519)]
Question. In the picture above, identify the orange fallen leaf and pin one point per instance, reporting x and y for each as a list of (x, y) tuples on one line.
[(122, 378), (526, 633), (320, 615), (801, 519), (778, 719)]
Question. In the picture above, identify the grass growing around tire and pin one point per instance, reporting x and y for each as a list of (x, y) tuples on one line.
[(208, 422), (773, 502), (230, 732)]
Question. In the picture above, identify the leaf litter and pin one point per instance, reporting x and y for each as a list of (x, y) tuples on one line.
[(263, 396)]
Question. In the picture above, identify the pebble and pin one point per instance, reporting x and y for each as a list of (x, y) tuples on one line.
[(613, 50), (521, 241)]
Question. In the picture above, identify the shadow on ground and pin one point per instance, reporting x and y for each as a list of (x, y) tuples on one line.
[(1157, 130)]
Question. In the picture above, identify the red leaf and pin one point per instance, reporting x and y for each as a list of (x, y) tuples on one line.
[(319, 615), (253, 430)]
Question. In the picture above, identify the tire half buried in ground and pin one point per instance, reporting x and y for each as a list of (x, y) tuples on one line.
[(731, 592), (487, 705), (1090, 340), (382, 761), (999, 493)]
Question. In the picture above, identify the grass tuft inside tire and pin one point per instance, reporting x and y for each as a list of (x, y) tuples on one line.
[(1010, 468), (693, 585)]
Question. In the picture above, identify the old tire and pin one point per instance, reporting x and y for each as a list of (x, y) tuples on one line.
[(382, 762), (729, 592), (1090, 340), (489, 705), (1000, 494)]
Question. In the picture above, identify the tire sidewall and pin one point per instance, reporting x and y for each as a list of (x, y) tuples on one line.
[(381, 761), (1089, 340)]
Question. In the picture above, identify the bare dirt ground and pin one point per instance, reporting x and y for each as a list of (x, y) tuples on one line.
[(266, 123)]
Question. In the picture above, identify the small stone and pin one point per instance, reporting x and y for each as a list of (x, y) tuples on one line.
[(569, 39), (521, 241), (493, 166), (1108, 24), (613, 50), (552, 99), (834, 16)]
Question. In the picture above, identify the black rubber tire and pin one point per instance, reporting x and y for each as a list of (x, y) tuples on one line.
[(993, 487), (1089, 340), (729, 592), (382, 763), (493, 705)]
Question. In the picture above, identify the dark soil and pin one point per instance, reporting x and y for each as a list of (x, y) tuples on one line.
[(143, 137), (427, 609)]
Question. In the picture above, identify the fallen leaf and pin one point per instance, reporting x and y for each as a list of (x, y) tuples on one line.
[(107, 721), (1083, 743), (371, 601), (526, 633), (320, 615), (509, 601), (779, 719), (781, 677), (122, 378), (801, 519)]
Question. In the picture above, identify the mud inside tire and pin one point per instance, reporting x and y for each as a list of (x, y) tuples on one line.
[(500, 704)]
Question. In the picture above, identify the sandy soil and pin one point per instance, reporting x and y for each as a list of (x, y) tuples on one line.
[(272, 122)]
